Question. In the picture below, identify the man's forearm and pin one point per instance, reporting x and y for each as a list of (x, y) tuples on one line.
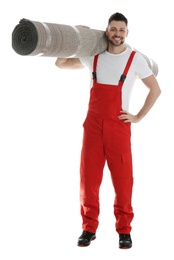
[(69, 63), (149, 102)]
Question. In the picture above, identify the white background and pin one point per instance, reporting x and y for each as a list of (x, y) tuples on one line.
[(42, 109)]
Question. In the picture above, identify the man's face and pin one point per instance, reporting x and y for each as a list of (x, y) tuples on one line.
[(116, 32)]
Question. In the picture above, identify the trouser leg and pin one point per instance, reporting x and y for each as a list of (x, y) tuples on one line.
[(91, 173), (123, 184), (119, 159)]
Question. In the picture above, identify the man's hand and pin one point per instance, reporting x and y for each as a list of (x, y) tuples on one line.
[(127, 117)]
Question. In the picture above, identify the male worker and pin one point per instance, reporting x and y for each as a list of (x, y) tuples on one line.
[(107, 127)]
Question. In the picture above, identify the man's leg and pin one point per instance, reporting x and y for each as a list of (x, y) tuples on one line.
[(91, 173)]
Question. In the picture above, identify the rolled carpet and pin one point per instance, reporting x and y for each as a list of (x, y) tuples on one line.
[(53, 40), (34, 38)]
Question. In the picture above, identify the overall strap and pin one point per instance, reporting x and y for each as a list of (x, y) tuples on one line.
[(94, 67), (123, 76)]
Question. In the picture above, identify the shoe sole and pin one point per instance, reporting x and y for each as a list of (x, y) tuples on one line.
[(125, 247), (81, 245)]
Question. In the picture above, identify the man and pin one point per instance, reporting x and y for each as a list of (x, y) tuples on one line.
[(107, 128)]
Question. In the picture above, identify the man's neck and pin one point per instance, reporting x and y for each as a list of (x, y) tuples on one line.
[(116, 49)]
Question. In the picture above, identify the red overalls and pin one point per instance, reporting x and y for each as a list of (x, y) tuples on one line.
[(106, 138)]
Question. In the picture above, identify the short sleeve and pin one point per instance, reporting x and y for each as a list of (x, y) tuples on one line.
[(142, 68)]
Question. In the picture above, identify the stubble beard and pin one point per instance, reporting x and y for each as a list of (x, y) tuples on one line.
[(116, 44)]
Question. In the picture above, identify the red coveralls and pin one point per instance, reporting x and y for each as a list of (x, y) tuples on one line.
[(106, 138)]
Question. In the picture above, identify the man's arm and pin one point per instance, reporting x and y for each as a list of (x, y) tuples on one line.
[(69, 63), (154, 93)]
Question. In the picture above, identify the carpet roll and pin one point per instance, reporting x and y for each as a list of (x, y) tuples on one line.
[(34, 38), (56, 40)]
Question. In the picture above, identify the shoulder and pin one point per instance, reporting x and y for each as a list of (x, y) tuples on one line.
[(139, 57), (142, 60), (142, 66)]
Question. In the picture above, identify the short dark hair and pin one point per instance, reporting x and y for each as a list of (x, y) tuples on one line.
[(117, 17)]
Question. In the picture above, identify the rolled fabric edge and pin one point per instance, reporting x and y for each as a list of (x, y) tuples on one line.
[(24, 37)]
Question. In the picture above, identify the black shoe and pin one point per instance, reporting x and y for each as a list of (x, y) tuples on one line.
[(86, 238), (125, 241)]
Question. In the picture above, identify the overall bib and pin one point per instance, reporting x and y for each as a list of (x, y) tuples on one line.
[(106, 139)]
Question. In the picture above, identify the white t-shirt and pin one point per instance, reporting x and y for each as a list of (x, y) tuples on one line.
[(110, 67)]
